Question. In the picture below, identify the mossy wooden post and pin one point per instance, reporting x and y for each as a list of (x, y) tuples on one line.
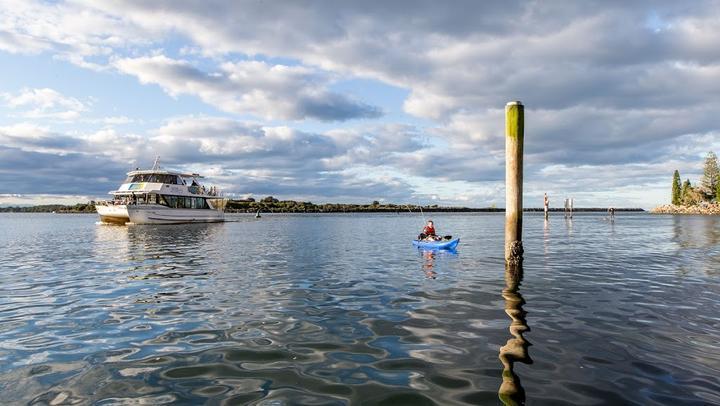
[(514, 128)]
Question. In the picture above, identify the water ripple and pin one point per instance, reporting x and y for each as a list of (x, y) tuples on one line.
[(261, 312)]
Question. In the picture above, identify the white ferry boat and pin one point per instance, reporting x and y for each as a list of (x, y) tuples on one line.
[(158, 196)]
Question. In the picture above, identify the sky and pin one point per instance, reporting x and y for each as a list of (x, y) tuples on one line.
[(347, 101)]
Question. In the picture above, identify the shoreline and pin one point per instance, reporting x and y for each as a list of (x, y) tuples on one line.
[(707, 210), (316, 209)]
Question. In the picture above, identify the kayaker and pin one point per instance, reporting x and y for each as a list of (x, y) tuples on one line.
[(428, 232)]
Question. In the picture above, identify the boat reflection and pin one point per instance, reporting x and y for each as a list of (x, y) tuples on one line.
[(160, 251), (511, 391)]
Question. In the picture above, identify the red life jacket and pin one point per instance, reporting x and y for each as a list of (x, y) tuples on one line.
[(429, 230)]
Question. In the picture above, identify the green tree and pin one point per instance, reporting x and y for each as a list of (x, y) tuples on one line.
[(711, 176), (693, 197), (676, 188), (685, 192)]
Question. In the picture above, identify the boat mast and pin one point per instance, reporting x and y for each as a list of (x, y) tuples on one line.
[(156, 165)]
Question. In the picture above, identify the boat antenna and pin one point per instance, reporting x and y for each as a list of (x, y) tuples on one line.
[(156, 165)]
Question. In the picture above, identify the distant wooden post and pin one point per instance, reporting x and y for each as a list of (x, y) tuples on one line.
[(514, 137)]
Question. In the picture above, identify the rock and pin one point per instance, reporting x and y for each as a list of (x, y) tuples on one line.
[(707, 209)]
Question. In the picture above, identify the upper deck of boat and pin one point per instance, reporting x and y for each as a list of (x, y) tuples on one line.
[(163, 172)]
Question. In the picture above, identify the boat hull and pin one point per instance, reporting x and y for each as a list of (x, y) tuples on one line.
[(116, 214), (157, 214), (437, 245)]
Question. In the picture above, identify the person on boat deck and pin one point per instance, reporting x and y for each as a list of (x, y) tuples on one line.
[(428, 232)]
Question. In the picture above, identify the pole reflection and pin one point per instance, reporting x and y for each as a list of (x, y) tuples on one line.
[(511, 391)]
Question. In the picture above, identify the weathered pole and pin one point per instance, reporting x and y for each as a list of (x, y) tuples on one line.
[(514, 137)]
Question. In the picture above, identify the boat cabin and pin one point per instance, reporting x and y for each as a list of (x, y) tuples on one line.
[(175, 190)]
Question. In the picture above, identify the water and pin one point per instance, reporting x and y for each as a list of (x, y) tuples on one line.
[(336, 309)]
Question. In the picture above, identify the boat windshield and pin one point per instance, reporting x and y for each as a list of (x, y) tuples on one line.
[(154, 178)]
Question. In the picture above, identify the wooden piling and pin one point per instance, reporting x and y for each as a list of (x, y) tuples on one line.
[(514, 138)]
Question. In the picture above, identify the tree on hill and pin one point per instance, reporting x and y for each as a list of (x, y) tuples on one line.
[(711, 176), (676, 187)]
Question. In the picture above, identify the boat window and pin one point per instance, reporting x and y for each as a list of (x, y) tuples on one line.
[(179, 202), (198, 203), (169, 179)]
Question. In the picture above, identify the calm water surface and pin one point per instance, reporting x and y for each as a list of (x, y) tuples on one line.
[(337, 309)]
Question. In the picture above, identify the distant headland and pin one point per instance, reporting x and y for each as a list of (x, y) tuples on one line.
[(701, 199), (272, 205)]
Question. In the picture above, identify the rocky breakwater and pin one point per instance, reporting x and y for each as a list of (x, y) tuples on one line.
[(707, 209)]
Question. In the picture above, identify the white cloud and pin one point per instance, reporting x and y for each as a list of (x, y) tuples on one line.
[(44, 103), (31, 137), (251, 87), (604, 89), (70, 30), (39, 198)]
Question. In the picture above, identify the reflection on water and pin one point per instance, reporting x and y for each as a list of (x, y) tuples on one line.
[(516, 349), (696, 231), (546, 235), (695, 234), (429, 264), (309, 309), (569, 225)]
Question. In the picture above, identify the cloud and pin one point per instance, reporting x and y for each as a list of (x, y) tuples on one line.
[(29, 172), (610, 88), (19, 43), (600, 61), (241, 157), (44, 103), (30, 137), (251, 87), (71, 31)]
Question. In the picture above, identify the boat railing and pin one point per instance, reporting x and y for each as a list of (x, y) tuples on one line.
[(109, 203)]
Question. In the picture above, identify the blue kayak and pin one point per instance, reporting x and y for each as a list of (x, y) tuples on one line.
[(437, 245)]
